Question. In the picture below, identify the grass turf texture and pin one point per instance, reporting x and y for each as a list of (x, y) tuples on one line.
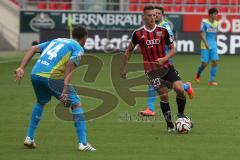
[(215, 112)]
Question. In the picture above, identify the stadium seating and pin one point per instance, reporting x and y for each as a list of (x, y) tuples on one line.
[(177, 8), (133, 1), (189, 8), (224, 6), (224, 1), (190, 1), (223, 9), (144, 1), (201, 8), (233, 9), (42, 5), (65, 6), (213, 1), (201, 1), (178, 1), (168, 1), (53, 6), (167, 8), (133, 8), (141, 7)]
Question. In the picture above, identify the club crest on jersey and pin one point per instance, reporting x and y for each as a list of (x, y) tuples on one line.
[(159, 33), (152, 42)]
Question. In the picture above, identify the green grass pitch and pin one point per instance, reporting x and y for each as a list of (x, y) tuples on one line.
[(215, 112)]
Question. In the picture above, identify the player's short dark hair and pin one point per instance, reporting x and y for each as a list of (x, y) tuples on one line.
[(160, 8), (34, 43), (79, 32), (212, 11), (148, 8)]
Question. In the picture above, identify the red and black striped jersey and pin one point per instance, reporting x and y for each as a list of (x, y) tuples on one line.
[(152, 44)]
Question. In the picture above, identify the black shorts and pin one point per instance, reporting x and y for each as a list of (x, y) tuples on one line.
[(163, 78)]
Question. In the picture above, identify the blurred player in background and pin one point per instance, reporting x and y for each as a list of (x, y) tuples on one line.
[(150, 110), (209, 29), (51, 76), (152, 40)]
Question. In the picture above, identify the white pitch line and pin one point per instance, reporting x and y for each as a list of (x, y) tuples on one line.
[(14, 60)]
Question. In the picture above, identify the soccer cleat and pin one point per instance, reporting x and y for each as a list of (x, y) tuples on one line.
[(171, 130), (190, 90), (170, 127), (147, 112), (197, 78), (87, 147), (212, 83), (179, 115), (28, 142)]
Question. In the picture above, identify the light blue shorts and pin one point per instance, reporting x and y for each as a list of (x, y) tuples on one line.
[(45, 88), (209, 55)]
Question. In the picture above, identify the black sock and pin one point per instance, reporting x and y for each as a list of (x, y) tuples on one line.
[(181, 102), (167, 113)]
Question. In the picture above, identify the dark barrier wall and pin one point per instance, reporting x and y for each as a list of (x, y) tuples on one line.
[(33, 21), (112, 30), (117, 41)]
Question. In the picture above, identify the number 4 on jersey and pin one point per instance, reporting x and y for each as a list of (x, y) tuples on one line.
[(52, 51)]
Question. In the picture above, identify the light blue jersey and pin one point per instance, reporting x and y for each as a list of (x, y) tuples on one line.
[(54, 57), (166, 25), (210, 30)]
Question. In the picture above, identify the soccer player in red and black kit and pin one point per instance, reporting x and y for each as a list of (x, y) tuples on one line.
[(152, 40)]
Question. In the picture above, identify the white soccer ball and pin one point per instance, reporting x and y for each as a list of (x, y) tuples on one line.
[(183, 125)]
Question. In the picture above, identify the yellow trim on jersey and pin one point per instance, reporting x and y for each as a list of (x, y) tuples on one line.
[(163, 22), (58, 71), (203, 46), (214, 24)]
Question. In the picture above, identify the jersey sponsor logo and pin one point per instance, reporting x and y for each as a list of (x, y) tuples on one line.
[(212, 30), (152, 42), (43, 62)]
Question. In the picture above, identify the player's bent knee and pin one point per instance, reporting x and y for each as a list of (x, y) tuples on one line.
[(164, 97), (179, 89)]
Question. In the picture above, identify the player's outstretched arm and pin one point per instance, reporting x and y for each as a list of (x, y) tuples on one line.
[(125, 59), (204, 39), (19, 72), (67, 79)]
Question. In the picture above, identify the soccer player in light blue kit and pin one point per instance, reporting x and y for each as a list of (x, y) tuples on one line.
[(209, 28), (150, 111), (51, 76)]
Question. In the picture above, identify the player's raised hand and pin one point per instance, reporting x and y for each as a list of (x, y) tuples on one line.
[(123, 72), (19, 72)]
